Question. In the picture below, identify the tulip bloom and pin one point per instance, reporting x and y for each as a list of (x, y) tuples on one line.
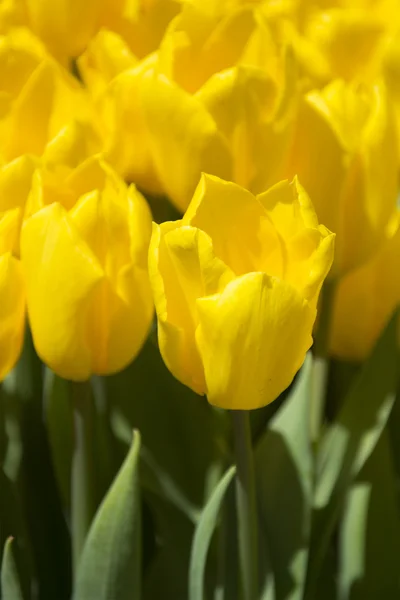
[(12, 293), (39, 97), (64, 25), (235, 285), (365, 300), (88, 293), (345, 153)]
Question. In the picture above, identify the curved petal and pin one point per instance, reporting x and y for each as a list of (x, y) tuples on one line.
[(241, 231), (309, 247), (12, 312), (252, 339), (182, 267), (60, 273), (184, 139)]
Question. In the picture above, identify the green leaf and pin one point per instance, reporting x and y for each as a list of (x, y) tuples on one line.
[(370, 531), (203, 536), (350, 440), (110, 565), (179, 428), (284, 472), (10, 585)]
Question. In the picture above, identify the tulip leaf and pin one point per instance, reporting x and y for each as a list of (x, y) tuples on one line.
[(110, 565), (350, 440), (11, 588), (284, 470), (370, 531), (203, 535)]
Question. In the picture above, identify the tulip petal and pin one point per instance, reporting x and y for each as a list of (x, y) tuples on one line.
[(31, 113), (252, 338), (127, 137), (183, 137), (15, 182), (309, 246), (182, 267), (241, 100), (12, 312), (229, 214), (60, 273)]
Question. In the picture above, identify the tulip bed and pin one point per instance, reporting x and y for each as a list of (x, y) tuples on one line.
[(199, 290)]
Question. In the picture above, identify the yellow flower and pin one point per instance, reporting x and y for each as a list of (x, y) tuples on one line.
[(88, 293), (365, 300), (345, 153), (235, 284), (12, 293), (206, 37), (38, 97), (341, 44), (141, 23), (160, 135), (64, 25)]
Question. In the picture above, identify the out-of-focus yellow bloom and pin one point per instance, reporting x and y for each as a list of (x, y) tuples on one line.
[(106, 56), (88, 293), (12, 14), (37, 96), (205, 38), (365, 300), (64, 25), (235, 284), (141, 23), (12, 293), (345, 153), (162, 137), (341, 44)]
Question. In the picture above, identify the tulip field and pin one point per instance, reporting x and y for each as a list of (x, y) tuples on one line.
[(199, 298)]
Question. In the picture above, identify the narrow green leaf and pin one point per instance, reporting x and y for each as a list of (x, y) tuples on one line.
[(370, 531), (350, 440), (284, 471), (203, 535), (110, 565), (11, 588)]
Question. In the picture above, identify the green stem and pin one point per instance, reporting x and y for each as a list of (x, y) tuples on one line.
[(325, 310), (82, 488), (246, 504), (321, 361)]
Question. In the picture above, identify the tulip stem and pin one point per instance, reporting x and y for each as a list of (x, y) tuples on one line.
[(82, 474), (321, 360), (246, 504)]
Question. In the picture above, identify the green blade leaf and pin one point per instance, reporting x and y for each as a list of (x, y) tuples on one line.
[(284, 471), (370, 531), (110, 565), (11, 588), (351, 439), (203, 536)]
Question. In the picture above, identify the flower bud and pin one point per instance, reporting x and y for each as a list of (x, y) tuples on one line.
[(235, 284)]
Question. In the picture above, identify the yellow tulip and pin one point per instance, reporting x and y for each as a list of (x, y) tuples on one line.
[(205, 38), (65, 26), (365, 300), (12, 293), (141, 23), (106, 56), (342, 44), (88, 293), (235, 284), (161, 136), (345, 153), (38, 97)]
